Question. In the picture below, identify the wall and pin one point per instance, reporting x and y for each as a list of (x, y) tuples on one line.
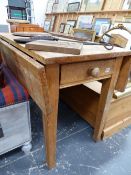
[(3, 11), (39, 11)]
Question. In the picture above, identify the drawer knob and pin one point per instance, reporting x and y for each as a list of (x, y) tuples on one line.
[(95, 72)]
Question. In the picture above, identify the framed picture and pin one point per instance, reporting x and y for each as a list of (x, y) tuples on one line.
[(62, 27), (128, 19), (49, 6), (104, 28), (92, 5), (55, 7), (126, 5), (52, 23), (85, 22), (85, 34), (73, 7), (67, 28), (72, 23), (47, 24), (63, 4), (98, 22)]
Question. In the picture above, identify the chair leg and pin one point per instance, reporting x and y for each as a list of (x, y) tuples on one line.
[(26, 148)]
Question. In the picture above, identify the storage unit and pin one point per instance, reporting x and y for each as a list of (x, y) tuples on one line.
[(15, 128)]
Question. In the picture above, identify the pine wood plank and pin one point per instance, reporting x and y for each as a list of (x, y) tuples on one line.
[(65, 47)]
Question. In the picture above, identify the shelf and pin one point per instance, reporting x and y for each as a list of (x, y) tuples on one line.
[(106, 11), (91, 12)]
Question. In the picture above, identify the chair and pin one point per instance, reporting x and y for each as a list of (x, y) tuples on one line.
[(15, 129)]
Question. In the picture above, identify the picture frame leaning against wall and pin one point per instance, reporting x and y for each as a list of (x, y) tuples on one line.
[(92, 5)]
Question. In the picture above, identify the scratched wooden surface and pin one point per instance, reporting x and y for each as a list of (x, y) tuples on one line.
[(56, 75), (87, 53)]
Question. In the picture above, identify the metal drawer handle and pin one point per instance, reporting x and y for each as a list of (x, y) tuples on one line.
[(95, 72), (108, 70)]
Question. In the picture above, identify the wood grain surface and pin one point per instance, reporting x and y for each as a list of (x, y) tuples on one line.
[(65, 47), (30, 74), (87, 53)]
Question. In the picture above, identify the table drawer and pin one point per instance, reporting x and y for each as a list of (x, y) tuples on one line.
[(80, 72)]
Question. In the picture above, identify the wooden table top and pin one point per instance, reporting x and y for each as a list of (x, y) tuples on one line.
[(88, 52)]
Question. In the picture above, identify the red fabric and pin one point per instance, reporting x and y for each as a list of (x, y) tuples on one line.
[(13, 92)]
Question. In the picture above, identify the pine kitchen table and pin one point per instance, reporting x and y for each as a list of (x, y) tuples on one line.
[(44, 74)]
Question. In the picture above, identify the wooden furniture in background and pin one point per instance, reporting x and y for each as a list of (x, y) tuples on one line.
[(26, 28), (57, 71)]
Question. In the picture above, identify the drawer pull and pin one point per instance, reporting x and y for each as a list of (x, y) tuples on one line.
[(108, 70), (95, 72)]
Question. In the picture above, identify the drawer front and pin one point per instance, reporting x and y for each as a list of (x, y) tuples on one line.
[(81, 72)]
